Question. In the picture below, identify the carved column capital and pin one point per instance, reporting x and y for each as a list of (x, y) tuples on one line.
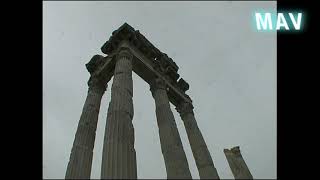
[(184, 108), (156, 84), (96, 84), (124, 52), (94, 64)]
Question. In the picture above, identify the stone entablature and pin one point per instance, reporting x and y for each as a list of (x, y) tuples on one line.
[(161, 62)]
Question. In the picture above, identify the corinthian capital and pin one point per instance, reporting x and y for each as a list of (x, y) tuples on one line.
[(94, 64), (124, 52), (184, 108), (96, 83), (157, 83)]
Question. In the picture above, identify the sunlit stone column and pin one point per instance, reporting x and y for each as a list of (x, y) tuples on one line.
[(79, 166), (119, 155), (237, 164), (174, 156), (199, 148)]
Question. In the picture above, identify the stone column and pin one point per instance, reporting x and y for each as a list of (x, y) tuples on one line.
[(119, 155), (237, 164), (199, 148), (171, 146), (79, 166)]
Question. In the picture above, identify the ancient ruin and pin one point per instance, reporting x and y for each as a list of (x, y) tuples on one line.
[(128, 50)]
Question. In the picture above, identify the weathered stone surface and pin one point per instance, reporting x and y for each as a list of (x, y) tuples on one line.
[(171, 146), (80, 162), (95, 63), (237, 164), (199, 148), (129, 50), (183, 85), (119, 156)]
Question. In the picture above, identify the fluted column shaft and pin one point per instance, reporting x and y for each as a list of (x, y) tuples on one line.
[(80, 162), (171, 146), (119, 155), (237, 164), (199, 148)]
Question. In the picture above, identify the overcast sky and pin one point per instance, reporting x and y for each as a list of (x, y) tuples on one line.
[(231, 70)]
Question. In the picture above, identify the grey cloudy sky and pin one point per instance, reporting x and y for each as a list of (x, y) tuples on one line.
[(231, 70)]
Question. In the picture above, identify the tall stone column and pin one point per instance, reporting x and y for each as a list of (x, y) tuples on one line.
[(119, 155), (171, 146), (79, 166), (199, 148), (237, 164)]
